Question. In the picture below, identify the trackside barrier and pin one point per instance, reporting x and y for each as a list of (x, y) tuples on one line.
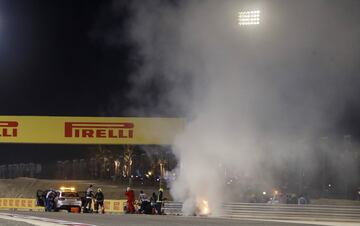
[(281, 211), (19, 203), (172, 208), (111, 206), (293, 212), (114, 206)]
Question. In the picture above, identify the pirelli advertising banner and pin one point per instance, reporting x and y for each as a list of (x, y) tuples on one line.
[(88, 130)]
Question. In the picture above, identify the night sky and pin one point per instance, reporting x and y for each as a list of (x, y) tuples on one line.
[(56, 58)]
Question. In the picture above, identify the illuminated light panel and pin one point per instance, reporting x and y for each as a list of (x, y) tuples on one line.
[(246, 18), (62, 188)]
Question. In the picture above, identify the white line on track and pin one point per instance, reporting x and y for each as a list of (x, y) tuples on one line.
[(39, 221)]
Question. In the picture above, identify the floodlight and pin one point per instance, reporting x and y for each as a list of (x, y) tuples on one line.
[(246, 18)]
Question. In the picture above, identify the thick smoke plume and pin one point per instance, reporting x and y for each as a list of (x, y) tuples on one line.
[(255, 98)]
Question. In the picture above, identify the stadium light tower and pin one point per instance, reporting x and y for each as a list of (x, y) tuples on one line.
[(248, 18)]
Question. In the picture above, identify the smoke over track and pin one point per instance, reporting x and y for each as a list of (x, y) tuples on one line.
[(255, 97)]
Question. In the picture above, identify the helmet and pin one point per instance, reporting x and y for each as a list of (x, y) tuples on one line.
[(162, 190), (99, 190), (128, 189)]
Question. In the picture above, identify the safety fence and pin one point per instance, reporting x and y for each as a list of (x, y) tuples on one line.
[(111, 206), (280, 211)]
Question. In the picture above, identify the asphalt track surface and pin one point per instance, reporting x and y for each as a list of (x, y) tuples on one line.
[(12, 223), (148, 220)]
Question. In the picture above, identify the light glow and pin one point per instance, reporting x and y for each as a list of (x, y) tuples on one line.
[(203, 207), (246, 18), (67, 188)]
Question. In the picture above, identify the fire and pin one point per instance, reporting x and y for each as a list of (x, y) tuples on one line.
[(203, 207)]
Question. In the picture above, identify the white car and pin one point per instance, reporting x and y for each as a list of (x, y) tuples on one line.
[(66, 200)]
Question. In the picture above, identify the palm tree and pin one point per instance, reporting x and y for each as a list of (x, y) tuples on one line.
[(128, 161)]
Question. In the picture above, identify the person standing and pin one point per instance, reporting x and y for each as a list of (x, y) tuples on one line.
[(159, 201), (153, 202), (129, 193), (89, 197), (143, 202), (99, 201), (50, 200)]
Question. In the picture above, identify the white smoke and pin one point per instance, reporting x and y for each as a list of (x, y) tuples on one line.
[(253, 96)]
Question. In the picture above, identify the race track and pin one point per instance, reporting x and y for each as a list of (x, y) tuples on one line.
[(148, 220)]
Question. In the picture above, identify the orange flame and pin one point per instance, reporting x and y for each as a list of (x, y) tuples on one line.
[(203, 207)]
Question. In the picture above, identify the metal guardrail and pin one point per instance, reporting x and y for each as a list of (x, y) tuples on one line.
[(280, 211), (172, 208)]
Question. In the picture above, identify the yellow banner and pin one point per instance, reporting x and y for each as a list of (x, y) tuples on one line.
[(88, 130), (111, 206), (18, 203), (114, 206)]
